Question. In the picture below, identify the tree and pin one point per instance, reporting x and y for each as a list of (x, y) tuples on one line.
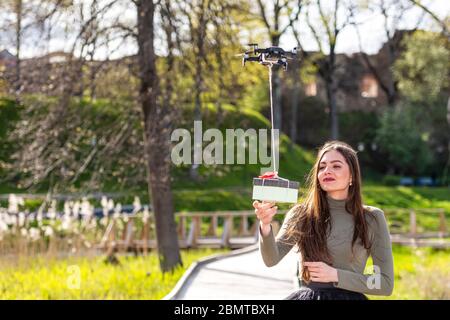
[(325, 31), (157, 123), (422, 72), (404, 147), (422, 69), (198, 15), (51, 127), (23, 16), (393, 14), (441, 23)]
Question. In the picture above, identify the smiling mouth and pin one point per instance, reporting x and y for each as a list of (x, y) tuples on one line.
[(328, 180)]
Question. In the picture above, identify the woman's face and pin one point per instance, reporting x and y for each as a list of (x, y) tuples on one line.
[(334, 173)]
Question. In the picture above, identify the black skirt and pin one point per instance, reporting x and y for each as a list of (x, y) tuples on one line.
[(324, 291)]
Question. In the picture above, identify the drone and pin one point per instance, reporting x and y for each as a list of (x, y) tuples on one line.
[(268, 56)]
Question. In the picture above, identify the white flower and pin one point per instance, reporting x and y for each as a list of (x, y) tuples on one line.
[(3, 226), (66, 223), (13, 204), (67, 209), (48, 231), (104, 202), (39, 215), (86, 209), (137, 204), (23, 232), (21, 220), (76, 209), (52, 211), (8, 219), (104, 221), (110, 204), (34, 234), (117, 211)]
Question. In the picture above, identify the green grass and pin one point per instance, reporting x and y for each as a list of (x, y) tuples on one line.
[(407, 197), (420, 273), (239, 198), (135, 278), (296, 160)]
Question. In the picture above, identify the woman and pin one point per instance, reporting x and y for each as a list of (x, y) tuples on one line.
[(333, 232)]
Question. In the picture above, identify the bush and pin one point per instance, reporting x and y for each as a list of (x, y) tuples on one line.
[(390, 180), (402, 142)]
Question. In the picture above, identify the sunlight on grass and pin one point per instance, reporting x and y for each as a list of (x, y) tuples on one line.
[(135, 278), (420, 273)]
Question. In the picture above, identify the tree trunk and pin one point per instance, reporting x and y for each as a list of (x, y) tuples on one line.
[(392, 85), (221, 69), (193, 172), (331, 87), (199, 40), (18, 10), (157, 122), (331, 96)]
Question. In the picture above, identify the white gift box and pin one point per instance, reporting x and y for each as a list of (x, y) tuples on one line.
[(275, 190)]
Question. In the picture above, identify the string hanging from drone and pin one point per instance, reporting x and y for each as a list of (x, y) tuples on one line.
[(270, 186)]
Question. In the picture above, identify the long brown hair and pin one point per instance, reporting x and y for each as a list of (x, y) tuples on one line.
[(309, 225)]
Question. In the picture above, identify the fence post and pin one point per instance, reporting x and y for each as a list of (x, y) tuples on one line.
[(213, 226), (145, 237), (182, 227), (191, 239), (128, 234), (442, 224), (198, 226), (412, 223), (227, 231), (244, 225), (194, 232)]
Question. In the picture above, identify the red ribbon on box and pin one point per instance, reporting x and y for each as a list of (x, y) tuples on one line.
[(269, 175)]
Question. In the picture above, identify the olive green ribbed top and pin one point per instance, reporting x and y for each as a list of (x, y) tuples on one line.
[(350, 267)]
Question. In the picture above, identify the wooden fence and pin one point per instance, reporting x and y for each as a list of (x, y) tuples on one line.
[(225, 229), (237, 229)]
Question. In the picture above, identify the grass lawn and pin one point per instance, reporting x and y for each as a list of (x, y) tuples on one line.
[(420, 273), (239, 198), (135, 278)]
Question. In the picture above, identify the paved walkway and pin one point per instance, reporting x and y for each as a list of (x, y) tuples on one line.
[(241, 277)]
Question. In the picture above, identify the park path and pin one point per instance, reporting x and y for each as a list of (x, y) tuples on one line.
[(239, 276)]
